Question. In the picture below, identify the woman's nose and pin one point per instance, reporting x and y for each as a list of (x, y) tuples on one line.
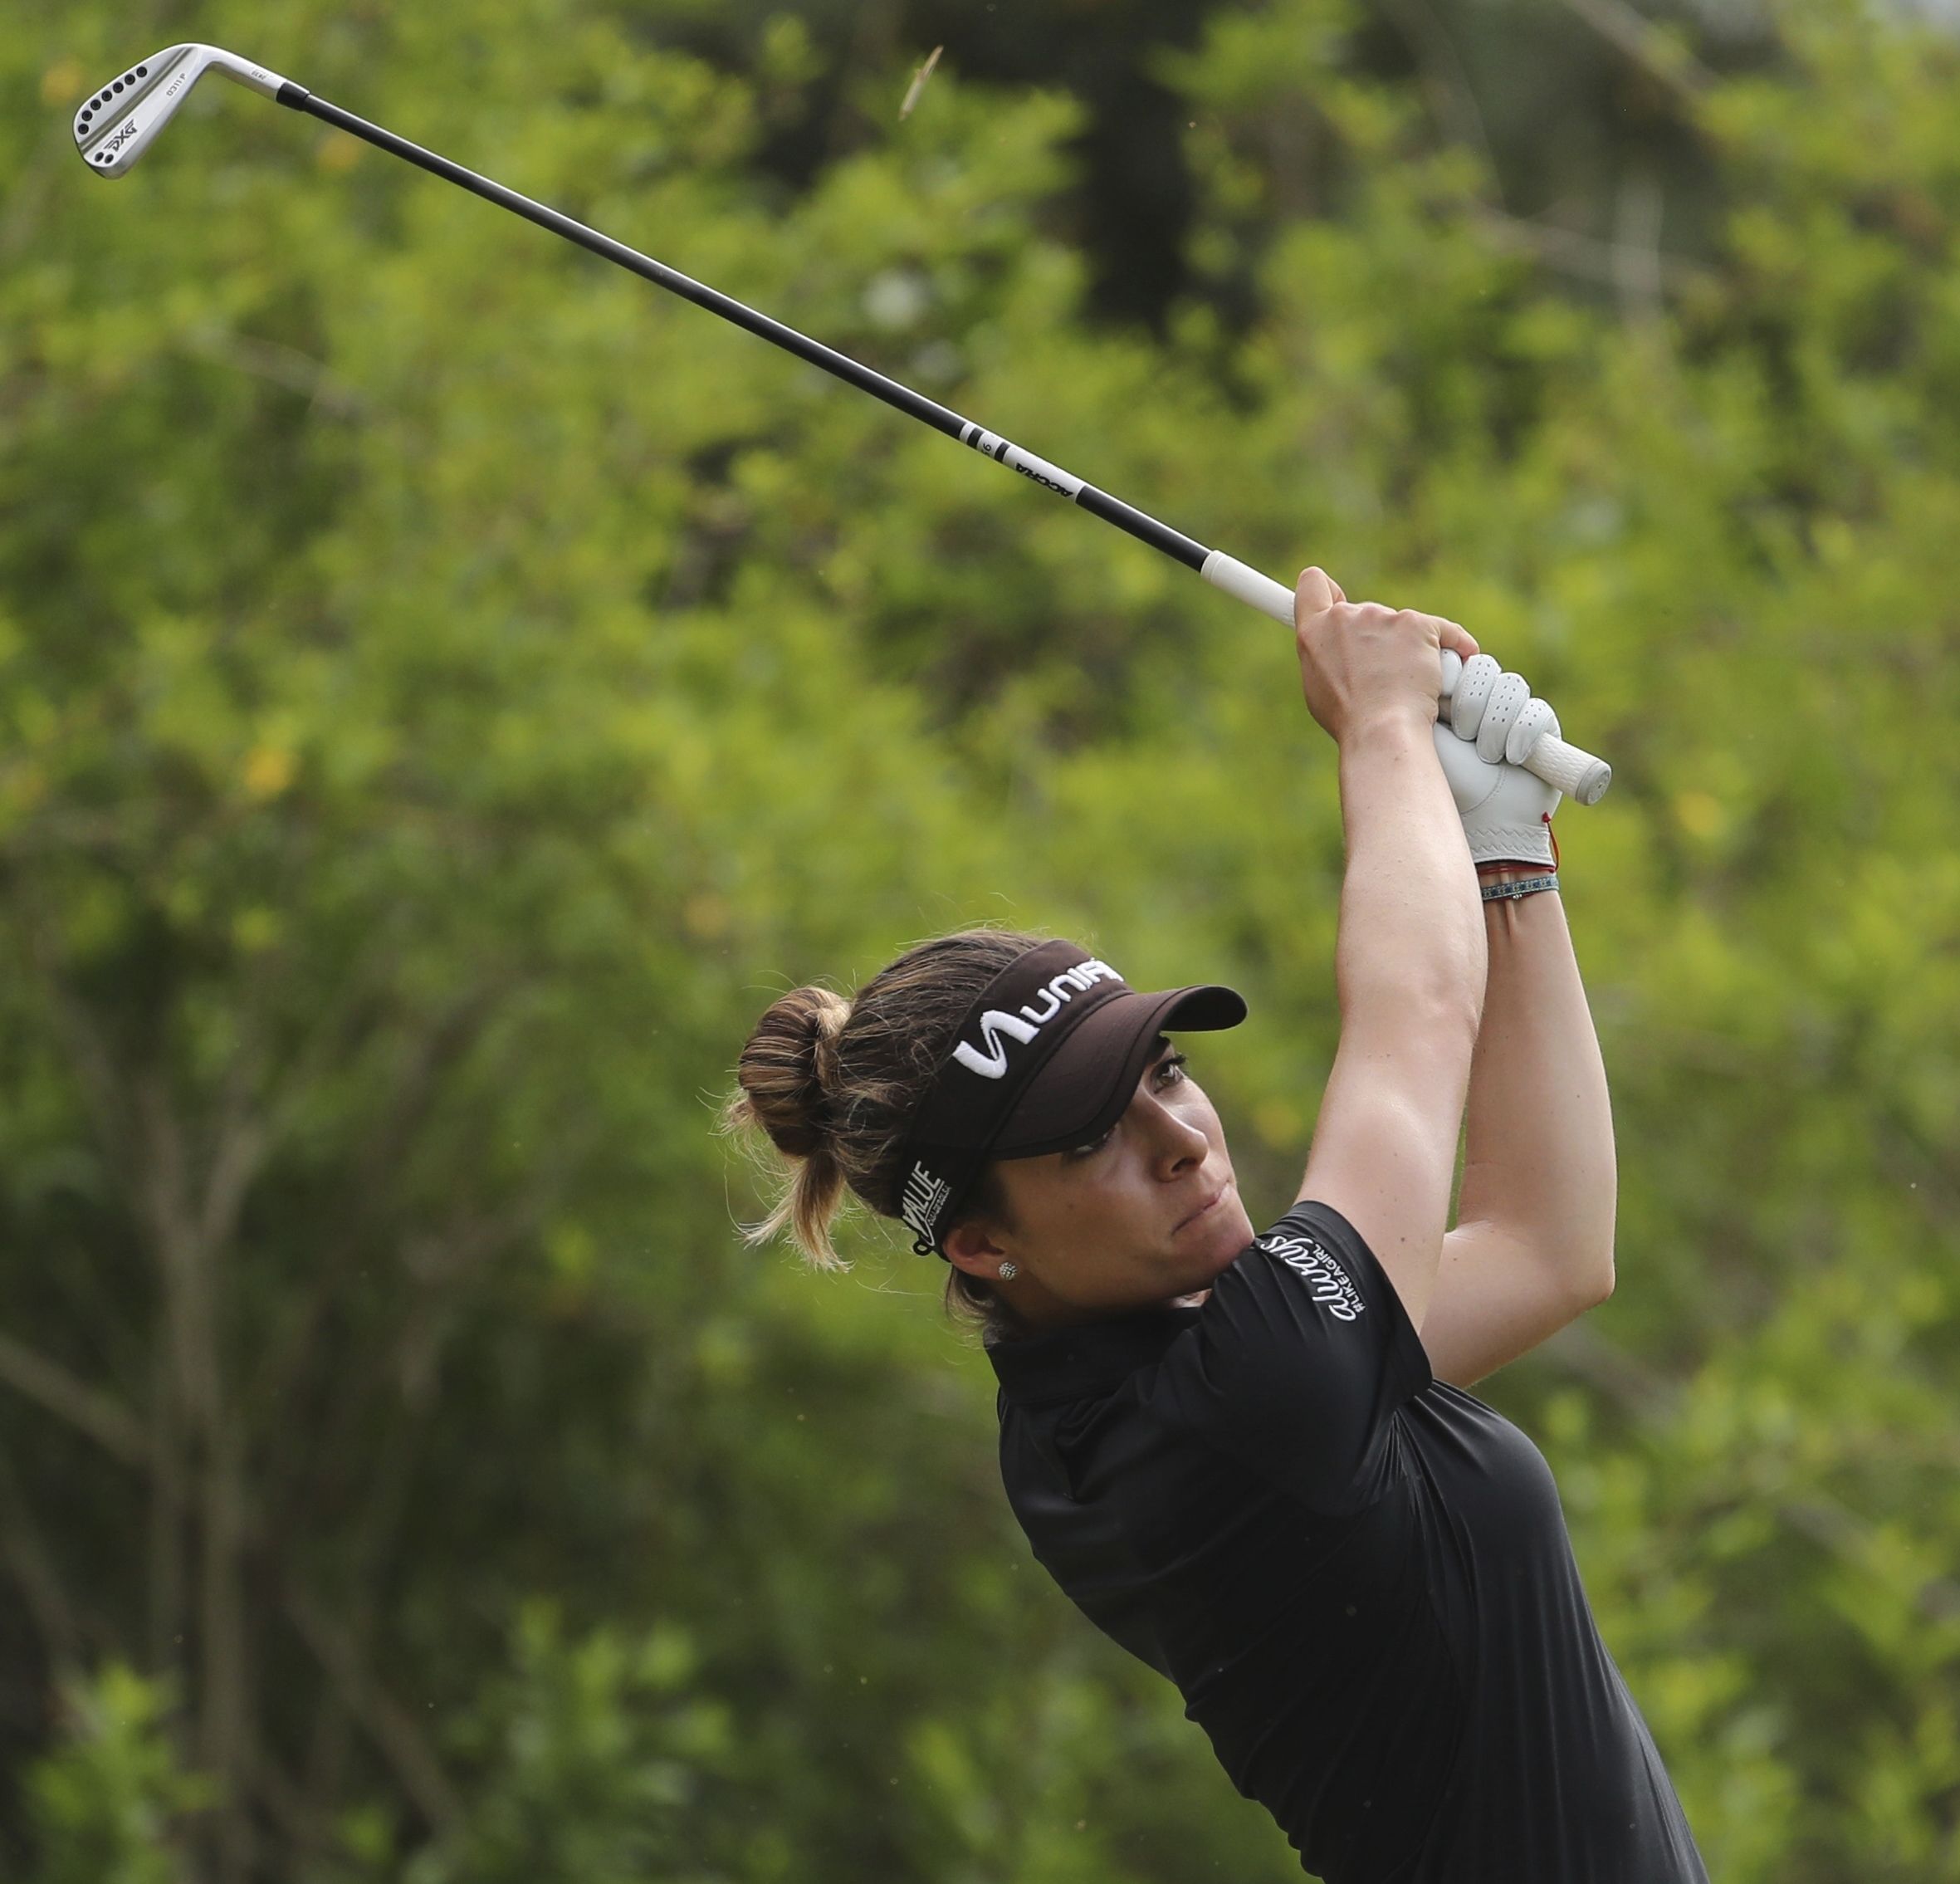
[(1177, 1142)]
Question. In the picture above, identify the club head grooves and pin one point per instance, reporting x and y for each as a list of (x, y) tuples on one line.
[(114, 126)]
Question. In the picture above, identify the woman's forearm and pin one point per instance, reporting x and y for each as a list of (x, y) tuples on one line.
[(1539, 1155), (1410, 941)]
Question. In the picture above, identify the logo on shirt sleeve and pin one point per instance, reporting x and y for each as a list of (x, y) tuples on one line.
[(1332, 1287)]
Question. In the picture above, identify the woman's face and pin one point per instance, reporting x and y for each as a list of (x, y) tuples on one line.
[(1148, 1213)]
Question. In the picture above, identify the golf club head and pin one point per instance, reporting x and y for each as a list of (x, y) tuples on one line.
[(114, 127)]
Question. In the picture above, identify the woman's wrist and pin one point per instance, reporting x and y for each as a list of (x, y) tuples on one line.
[(1392, 722)]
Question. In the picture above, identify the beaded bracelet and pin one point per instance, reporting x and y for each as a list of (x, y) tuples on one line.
[(1513, 887)]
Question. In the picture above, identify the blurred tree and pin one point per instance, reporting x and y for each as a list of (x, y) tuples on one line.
[(1580, 115)]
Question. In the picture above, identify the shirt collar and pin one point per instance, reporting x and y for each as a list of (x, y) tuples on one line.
[(1091, 1357)]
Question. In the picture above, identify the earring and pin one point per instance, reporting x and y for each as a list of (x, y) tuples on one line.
[(1009, 1271)]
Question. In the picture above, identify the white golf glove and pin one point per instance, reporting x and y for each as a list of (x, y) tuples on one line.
[(1494, 724)]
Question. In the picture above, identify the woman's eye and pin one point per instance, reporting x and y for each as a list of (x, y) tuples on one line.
[(1169, 1071)]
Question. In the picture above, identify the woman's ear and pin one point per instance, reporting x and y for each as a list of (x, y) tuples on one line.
[(970, 1245)]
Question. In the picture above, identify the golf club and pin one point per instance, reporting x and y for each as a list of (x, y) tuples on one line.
[(118, 124)]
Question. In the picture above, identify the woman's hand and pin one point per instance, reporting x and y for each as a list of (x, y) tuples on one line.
[(1362, 663), (1494, 722)]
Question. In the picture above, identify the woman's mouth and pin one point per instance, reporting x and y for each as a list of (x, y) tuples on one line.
[(1206, 1208)]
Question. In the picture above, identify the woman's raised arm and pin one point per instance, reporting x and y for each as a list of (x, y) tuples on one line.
[(1410, 957)]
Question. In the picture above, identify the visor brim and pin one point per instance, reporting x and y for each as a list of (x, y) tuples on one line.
[(1089, 1082)]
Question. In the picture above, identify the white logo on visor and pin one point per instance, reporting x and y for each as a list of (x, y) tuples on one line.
[(925, 1198), (1033, 1017)]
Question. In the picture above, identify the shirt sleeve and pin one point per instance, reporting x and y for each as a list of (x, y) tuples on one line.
[(1298, 1363)]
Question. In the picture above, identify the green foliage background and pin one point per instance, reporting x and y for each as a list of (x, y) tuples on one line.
[(447, 688)]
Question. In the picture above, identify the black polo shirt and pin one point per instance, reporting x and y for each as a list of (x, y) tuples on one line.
[(1357, 1575)]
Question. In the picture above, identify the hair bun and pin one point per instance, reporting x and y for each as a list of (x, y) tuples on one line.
[(789, 1063)]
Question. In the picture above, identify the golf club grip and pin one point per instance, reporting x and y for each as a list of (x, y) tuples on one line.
[(1565, 767)]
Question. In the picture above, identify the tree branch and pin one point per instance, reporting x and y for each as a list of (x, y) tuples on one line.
[(41, 1586), (438, 1047), (389, 1724), (285, 1803), (1656, 52), (1636, 246), (1582, 256), (50, 1385), (97, 1073), (1444, 77), (236, 1158), (273, 359)]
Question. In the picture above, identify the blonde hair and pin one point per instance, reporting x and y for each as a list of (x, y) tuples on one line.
[(834, 1085)]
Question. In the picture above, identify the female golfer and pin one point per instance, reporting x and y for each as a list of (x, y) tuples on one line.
[(1250, 1460)]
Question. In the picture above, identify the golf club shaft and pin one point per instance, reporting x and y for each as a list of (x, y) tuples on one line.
[(1572, 771), (915, 405)]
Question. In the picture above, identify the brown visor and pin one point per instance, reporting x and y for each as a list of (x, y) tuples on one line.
[(1047, 1058)]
